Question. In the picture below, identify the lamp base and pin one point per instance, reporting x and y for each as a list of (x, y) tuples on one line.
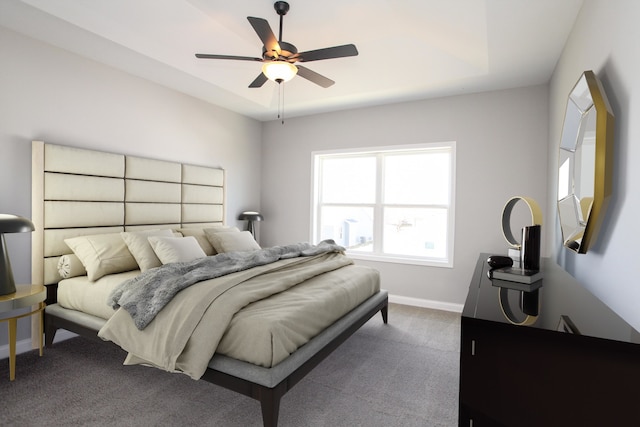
[(7, 288), (251, 228), (7, 284)]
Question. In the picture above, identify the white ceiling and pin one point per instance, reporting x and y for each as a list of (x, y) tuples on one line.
[(408, 49)]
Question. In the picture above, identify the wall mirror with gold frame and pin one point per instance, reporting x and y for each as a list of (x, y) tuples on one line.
[(585, 163)]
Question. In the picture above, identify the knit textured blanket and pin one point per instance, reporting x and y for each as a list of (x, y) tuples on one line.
[(145, 295)]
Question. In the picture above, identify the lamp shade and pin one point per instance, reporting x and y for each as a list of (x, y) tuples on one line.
[(279, 71), (15, 224), (10, 224), (250, 216)]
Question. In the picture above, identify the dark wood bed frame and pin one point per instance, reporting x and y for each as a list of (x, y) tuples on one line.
[(269, 397)]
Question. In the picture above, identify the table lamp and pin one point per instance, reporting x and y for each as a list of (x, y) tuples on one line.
[(10, 224), (250, 217)]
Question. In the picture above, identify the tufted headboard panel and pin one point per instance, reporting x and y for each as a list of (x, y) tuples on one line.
[(78, 192)]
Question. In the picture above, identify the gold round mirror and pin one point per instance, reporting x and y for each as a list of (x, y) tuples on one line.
[(585, 163)]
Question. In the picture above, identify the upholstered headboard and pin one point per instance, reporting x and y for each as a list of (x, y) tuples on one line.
[(78, 192)]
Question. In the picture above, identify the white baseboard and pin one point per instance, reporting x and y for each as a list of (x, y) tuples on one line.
[(23, 346), (426, 303)]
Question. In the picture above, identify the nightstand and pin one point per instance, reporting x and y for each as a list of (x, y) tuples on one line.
[(25, 296)]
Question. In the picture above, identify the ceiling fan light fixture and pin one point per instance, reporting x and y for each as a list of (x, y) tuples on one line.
[(279, 71)]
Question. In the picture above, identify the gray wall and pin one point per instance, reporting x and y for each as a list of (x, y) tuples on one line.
[(49, 94), (605, 40), (501, 152)]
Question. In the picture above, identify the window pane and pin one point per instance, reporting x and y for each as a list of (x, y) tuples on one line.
[(415, 232), (351, 227), (349, 180), (417, 178)]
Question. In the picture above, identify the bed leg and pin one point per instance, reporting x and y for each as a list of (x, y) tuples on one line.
[(270, 405), (49, 334), (385, 313)]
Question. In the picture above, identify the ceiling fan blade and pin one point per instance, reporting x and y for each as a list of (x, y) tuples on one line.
[(259, 81), (239, 58), (314, 77), (262, 28), (328, 53)]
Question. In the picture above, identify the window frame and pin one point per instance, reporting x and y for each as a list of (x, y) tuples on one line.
[(378, 207)]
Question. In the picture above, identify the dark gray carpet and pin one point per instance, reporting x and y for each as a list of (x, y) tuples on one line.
[(401, 374)]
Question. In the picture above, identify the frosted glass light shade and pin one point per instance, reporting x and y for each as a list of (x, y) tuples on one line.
[(279, 71)]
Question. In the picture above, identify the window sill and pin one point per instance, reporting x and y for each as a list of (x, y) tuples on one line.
[(399, 260)]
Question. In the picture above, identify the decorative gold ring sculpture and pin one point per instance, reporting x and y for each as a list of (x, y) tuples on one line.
[(536, 218), (508, 313)]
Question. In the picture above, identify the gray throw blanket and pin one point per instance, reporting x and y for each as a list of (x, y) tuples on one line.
[(145, 295)]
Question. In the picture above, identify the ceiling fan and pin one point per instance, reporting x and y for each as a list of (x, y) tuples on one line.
[(279, 57)]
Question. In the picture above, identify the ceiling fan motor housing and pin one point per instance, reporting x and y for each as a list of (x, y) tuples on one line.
[(281, 7), (288, 52)]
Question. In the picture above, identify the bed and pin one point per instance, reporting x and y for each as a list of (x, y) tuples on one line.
[(83, 197)]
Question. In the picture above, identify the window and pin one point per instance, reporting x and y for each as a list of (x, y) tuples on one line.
[(389, 204)]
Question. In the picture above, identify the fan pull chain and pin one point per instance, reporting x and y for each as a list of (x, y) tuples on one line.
[(281, 102), (279, 98)]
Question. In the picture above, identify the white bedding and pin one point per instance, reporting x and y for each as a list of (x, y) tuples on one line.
[(264, 332), (286, 321), (81, 294)]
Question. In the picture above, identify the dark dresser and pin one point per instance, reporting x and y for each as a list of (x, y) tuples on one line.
[(554, 356)]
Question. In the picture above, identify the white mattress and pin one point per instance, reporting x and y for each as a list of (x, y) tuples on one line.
[(79, 293)]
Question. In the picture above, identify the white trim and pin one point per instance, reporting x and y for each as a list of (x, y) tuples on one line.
[(397, 259), (426, 303), (385, 148), (24, 346)]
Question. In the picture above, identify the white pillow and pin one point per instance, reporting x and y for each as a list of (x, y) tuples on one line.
[(208, 232), (70, 266), (176, 249), (233, 242), (220, 229), (138, 244), (201, 237), (102, 254)]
